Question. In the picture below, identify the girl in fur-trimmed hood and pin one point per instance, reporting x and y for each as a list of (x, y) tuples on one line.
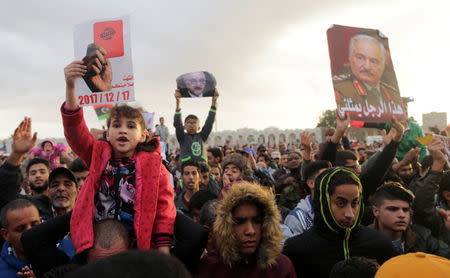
[(228, 260)]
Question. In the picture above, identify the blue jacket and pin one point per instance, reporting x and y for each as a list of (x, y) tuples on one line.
[(9, 263)]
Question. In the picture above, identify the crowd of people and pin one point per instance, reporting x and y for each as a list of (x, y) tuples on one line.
[(113, 206)]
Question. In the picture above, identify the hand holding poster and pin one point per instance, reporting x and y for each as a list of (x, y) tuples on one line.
[(196, 84), (104, 47), (428, 139), (364, 80)]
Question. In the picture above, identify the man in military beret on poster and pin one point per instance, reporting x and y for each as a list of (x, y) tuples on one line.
[(361, 92)]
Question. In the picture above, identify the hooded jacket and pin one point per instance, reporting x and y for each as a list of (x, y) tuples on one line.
[(226, 261), (315, 252), (419, 239), (301, 218)]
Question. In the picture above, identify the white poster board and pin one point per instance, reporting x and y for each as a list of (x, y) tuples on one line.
[(149, 120), (104, 46)]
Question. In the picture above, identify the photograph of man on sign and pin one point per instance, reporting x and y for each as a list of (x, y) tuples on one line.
[(364, 80), (196, 84)]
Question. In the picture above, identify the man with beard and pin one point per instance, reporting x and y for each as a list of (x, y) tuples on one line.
[(38, 170), (207, 181), (63, 190)]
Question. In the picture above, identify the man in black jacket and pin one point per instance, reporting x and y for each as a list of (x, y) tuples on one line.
[(336, 234), (392, 212), (425, 211)]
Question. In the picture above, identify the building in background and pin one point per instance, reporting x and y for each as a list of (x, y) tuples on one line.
[(434, 120)]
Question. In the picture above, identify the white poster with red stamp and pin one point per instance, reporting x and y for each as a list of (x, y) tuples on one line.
[(104, 47), (364, 80)]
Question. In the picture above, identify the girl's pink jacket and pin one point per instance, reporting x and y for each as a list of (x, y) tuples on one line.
[(154, 207)]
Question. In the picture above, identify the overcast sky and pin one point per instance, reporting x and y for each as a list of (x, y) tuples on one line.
[(270, 58)]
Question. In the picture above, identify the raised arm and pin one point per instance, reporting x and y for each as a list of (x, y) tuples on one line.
[(10, 175), (425, 212), (306, 150), (342, 125), (73, 71), (74, 126), (207, 127), (177, 123), (372, 175)]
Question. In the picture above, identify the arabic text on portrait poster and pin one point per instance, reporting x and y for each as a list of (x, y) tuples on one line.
[(364, 80)]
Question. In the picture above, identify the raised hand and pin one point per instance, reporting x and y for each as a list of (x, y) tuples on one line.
[(436, 148), (411, 155), (342, 124), (23, 142), (215, 97), (398, 130), (306, 139), (177, 98), (252, 161), (225, 180), (395, 133), (99, 75), (72, 71)]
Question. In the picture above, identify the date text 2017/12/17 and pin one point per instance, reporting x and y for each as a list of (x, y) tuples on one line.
[(108, 97)]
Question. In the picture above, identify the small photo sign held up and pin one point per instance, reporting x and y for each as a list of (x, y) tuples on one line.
[(196, 84)]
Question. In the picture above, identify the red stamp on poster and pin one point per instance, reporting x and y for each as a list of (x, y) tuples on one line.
[(109, 35)]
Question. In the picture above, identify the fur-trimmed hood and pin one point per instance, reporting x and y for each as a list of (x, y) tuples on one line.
[(270, 245)]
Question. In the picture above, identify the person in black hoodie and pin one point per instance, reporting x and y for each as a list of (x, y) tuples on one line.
[(336, 234)]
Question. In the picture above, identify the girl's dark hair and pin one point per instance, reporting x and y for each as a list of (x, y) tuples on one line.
[(119, 111)]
